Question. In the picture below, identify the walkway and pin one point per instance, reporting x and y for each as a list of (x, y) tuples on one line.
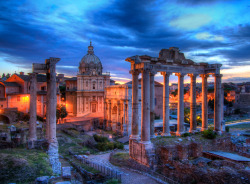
[(128, 177), (228, 156)]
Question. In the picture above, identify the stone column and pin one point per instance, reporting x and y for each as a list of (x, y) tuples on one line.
[(204, 102), (193, 124), (145, 96), (152, 105), (33, 118), (52, 104), (135, 100), (109, 115), (47, 107), (217, 103), (166, 130), (180, 114)]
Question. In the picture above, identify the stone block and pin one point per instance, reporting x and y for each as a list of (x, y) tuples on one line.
[(42, 180), (66, 172), (182, 151)]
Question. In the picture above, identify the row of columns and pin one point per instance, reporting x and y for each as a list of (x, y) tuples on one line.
[(147, 101)]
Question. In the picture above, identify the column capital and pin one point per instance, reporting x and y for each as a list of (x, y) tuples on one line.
[(145, 70), (204, 75), (192, 75), (134, 72), (217, 75), (152, 73), (180, 74), (166, 73)]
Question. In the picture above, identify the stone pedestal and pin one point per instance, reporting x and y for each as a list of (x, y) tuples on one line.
[(166, 129), (142, 153), (204, 102), (135, 100), (33, 116)]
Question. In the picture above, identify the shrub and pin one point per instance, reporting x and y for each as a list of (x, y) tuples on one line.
[(100, 138), (185, 134), (209, 134), (227, 128)]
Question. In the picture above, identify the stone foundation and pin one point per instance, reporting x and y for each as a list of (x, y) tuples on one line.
[(142, 153)]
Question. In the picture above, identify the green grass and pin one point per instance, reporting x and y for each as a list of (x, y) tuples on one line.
[(23, 166), (122, 156)]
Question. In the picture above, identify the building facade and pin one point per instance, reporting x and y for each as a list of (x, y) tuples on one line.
[(15, 93), (85, 93)]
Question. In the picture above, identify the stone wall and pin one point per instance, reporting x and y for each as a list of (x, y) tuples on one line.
[(142, 153)]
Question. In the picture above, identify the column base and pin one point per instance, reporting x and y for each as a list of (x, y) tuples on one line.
[(202, 129), (218, 132), (193, 131), (166, 135), (179, 133), (134, 137)]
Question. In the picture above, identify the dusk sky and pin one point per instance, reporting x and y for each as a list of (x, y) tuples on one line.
[(213, 31)]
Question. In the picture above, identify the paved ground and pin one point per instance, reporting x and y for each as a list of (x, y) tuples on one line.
[(128, 177)]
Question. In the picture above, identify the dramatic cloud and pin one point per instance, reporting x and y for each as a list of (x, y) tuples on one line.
[(204, 30)]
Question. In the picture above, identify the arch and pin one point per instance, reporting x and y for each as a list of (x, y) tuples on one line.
[(4, 119)]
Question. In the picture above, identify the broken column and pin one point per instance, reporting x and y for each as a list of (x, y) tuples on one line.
[(33, 116), (166, 129)]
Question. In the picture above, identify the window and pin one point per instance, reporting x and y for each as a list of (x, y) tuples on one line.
[(86, 83), (43, 88), (93, 85)]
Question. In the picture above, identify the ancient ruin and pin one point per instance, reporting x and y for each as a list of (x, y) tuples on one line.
[(50, 69), (170, 61)]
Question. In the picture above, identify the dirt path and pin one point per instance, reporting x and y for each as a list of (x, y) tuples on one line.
[(128, 177)]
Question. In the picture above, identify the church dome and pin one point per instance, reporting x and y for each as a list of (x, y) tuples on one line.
[(90, 64), (90, 56)]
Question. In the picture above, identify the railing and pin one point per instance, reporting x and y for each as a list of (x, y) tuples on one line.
[(103, 169)]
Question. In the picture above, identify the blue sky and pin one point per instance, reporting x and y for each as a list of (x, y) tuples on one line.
[(213, 31)]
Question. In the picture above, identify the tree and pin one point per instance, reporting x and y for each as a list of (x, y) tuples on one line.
[(7, 76), (61, 112), (3, 75)]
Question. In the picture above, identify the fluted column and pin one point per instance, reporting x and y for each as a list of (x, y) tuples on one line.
[(193, 124), (145, 96), (135, 100), (152, 105), (204, 102), (180, 114), (109, 115), (33, 118), (166, 130), (217, 102)]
